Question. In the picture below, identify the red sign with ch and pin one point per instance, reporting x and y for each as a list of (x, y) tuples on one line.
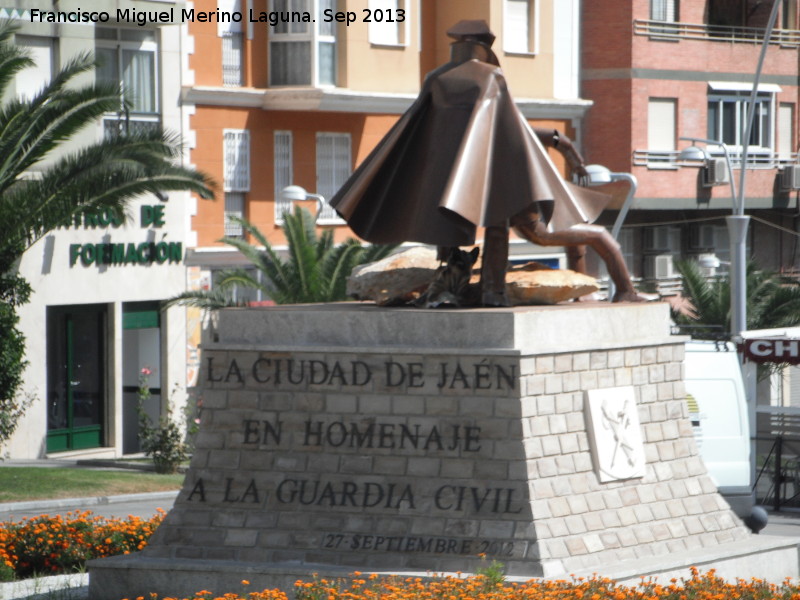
[(772, 350)]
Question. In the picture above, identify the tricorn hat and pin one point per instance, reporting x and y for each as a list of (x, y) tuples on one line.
[(477, 29)]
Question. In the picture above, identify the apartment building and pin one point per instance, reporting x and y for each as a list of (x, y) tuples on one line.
[(94, 318), (302, 104), (658, 71)]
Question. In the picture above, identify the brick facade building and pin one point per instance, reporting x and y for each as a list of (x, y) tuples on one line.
[(663, 70)]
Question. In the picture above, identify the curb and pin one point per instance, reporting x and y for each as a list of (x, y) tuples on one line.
[(68, 587), (85, 502)]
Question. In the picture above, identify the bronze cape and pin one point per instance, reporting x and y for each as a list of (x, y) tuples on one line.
[(462, 156)]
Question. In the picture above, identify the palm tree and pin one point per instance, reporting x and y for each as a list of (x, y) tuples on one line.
[(40, 192), (104, 175), (772, 301), (316, 270)]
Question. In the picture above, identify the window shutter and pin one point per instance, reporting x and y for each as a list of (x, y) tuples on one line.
[(383, 31), (282, 145), (230, 7), (785, 137), (661, 124), (237, 160), (663, 10), (516, 19)]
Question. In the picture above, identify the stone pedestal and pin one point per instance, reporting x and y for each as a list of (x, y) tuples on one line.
[(348, 437)]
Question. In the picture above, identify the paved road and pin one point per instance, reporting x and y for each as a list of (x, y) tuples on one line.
[(138, 505)]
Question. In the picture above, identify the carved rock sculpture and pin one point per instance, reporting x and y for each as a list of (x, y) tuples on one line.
[(541, 285), (402, 277), (397, 279)]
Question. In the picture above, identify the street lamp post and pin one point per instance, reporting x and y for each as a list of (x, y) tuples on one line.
[(600, 175), (738, 222), (296, 193)]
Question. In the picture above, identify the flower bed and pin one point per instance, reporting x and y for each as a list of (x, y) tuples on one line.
[(47, 545), (490, 586)]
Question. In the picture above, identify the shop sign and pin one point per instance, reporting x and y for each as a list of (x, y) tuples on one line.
[(113, 253), (772, 350)]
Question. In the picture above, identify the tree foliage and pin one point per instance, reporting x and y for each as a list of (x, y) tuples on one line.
[(315, 269), (13, 291), (772, 301)]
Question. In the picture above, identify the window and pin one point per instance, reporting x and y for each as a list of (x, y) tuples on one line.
[(236, 176), (661, 128), (30, 81), (747, 16), (727, 110), (130, 57), (727, 13), (711, 239), (283, 174), (664, 11), (662, 239), (232, 44), (333, 169), (388, 22), (660, 245), (520, 19), (232, 58), (242, 294), (302, 53)]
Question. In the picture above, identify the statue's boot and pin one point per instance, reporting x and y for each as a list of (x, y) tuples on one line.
[(493, 267)]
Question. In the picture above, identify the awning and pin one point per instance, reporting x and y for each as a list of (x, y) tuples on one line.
[(743, 86)]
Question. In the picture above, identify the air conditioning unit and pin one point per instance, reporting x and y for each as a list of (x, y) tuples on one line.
[(659, 266), (715, 172), (790, 177)]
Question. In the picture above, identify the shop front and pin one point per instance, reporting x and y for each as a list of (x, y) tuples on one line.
[(96, 332)]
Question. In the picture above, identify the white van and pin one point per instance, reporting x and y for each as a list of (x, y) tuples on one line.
[(720, 418)]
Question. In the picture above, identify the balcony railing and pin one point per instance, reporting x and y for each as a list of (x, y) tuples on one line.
[(668, 159), (789, 38), (117, 124)]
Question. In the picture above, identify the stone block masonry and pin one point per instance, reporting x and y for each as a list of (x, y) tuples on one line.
[(348, 437)]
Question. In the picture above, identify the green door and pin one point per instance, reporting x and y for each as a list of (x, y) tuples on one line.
[(76, 377)]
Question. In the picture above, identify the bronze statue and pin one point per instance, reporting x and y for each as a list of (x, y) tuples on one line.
[(463, 157)]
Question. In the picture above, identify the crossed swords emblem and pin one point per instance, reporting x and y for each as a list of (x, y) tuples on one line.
[(619, 424)]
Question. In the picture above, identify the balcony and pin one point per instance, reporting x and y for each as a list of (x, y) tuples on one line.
[(668, 159), (113, 125), (664, 30)]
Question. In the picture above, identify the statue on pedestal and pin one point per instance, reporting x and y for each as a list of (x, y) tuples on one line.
[(463, 157)]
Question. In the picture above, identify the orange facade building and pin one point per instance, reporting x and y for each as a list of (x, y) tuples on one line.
[(302, 103)]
